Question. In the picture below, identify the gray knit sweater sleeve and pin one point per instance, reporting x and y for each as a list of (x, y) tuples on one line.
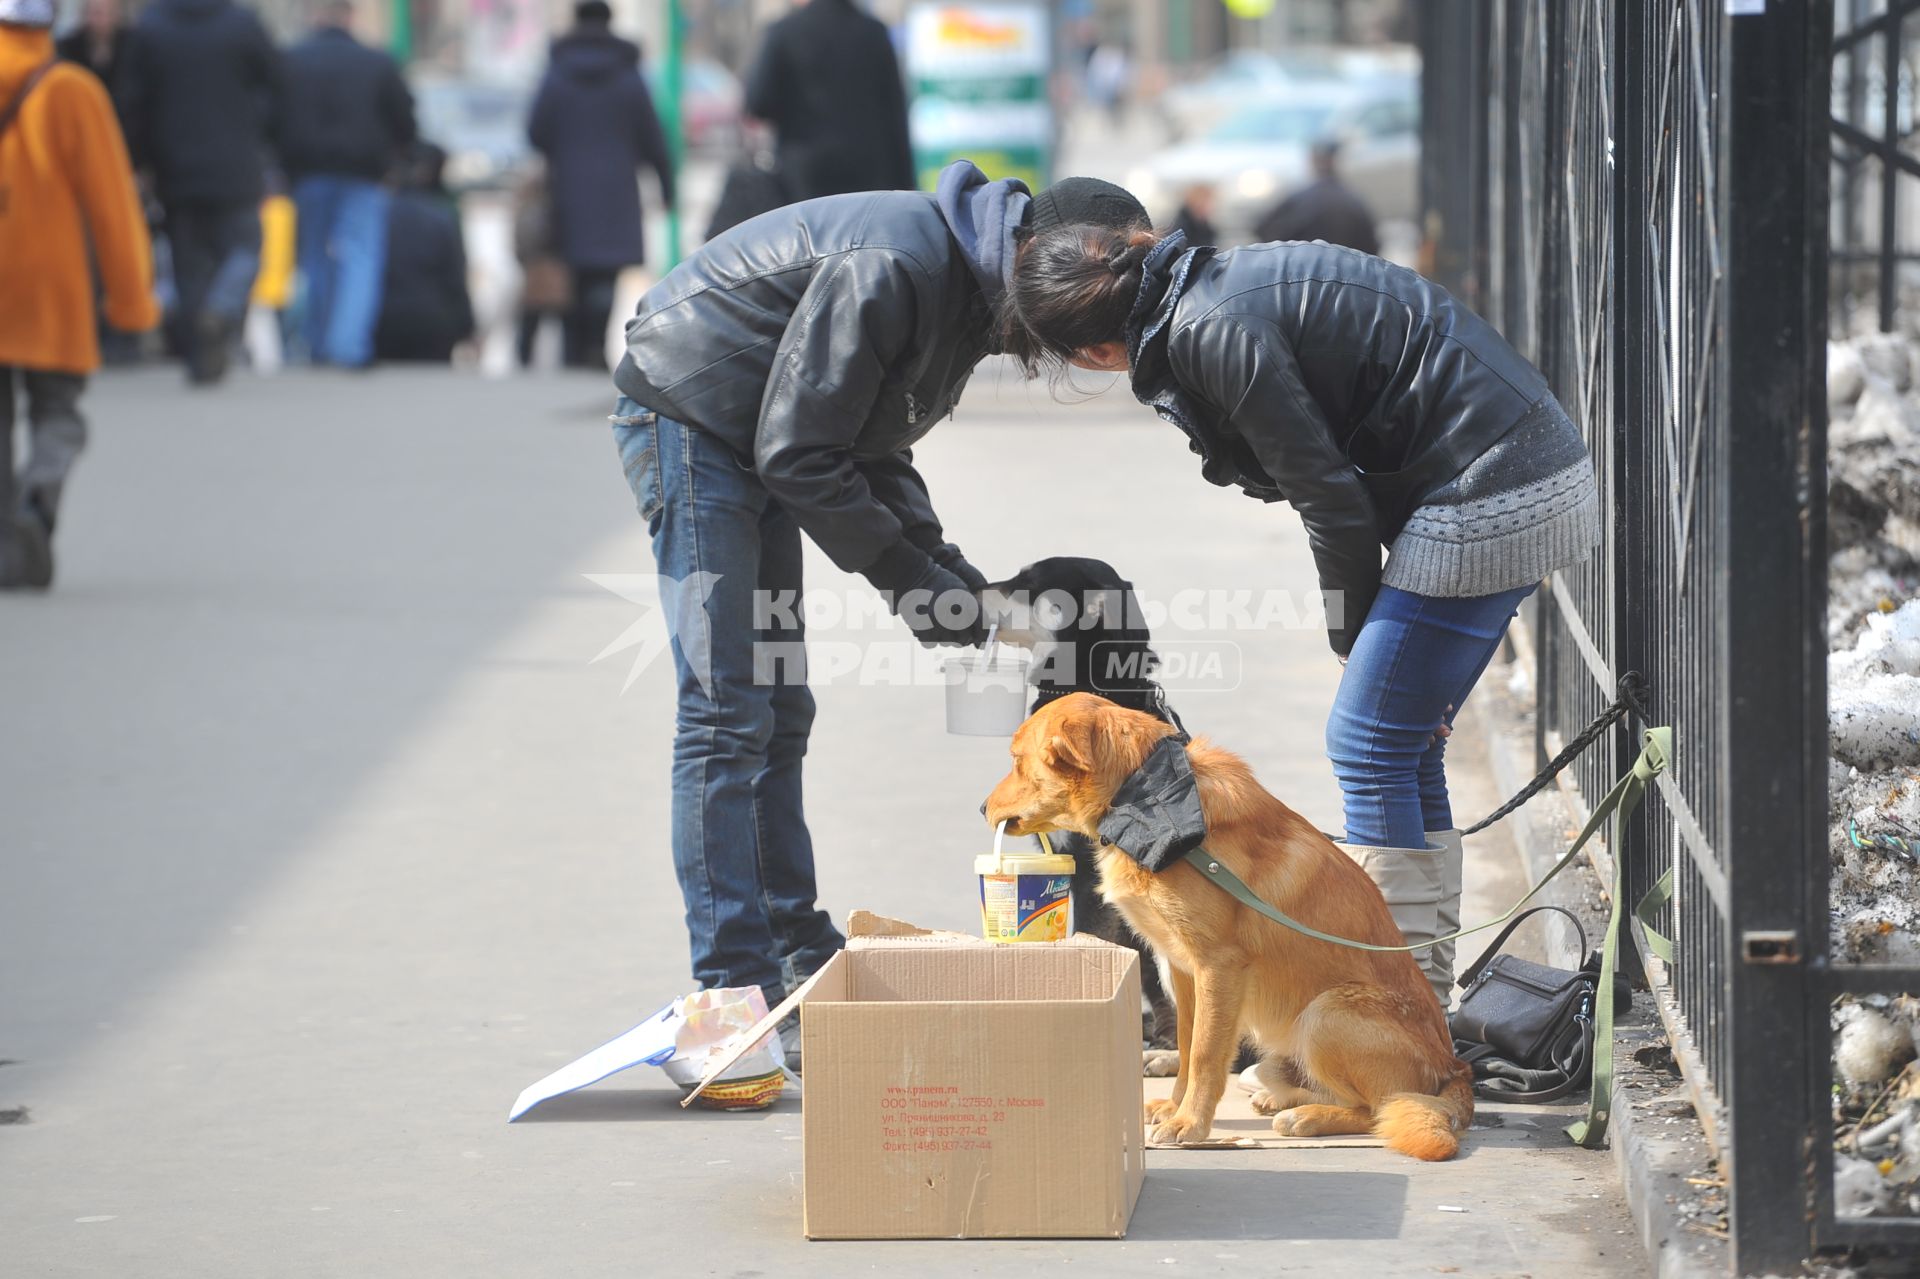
[(1525, 507)]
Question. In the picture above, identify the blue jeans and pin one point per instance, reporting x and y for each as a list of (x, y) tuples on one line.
[(740, 843), (342, 232), (1416, 659)]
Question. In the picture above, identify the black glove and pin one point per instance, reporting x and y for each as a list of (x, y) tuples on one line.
[(933, 601), (948, 556)]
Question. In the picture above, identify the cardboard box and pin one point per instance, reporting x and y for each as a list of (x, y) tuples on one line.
[(959, 1090)]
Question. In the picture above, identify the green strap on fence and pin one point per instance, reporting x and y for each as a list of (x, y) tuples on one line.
[(1591, 1132), (1655, 753), (1659, 895)]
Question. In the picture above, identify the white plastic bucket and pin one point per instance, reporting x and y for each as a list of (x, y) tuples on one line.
[(1025, 896), (987, 697)]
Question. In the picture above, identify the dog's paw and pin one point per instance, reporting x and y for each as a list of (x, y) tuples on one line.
[(1265, 1103), (1179, 1130), (1159, 1063), (1159, 1108), (1283, 1123)]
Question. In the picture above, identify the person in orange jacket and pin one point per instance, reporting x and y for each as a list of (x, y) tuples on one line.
[(67, 207)]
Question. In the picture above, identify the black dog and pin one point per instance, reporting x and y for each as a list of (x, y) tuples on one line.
[(1083, 624)]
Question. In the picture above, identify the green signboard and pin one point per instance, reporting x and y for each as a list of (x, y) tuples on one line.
[(980, 74)]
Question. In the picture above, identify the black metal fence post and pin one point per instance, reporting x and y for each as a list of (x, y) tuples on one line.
[(1673, 223), (1637, 406), (1773, 454), (1452, 170)]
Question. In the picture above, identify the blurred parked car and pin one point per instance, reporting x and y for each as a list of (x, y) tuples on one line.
[(1247, 75), (1261, 152), (710, 97), (482, 125)]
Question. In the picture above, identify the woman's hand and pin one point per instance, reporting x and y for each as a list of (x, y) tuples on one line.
[(1445, 730)]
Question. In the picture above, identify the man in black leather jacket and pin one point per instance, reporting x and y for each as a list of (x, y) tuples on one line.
[(773, 385)]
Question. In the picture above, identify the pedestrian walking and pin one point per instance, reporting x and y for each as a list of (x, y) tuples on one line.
[(1110, 79), (425, 309), (546, 286), (202, 100), (595, 124), (96, 43), (1325, 209), (1388, 415), (349, 120), (67, 208), (828, 82), (773, 386)]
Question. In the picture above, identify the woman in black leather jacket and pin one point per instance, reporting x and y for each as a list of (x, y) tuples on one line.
[(1389, 416), (772, 386)]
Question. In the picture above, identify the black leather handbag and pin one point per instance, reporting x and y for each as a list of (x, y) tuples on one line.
[(1526, 1028)]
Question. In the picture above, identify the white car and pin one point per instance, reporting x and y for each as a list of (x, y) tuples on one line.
[(1246, 75), (1263, 151)]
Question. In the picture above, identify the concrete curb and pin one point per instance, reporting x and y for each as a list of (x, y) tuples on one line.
[(1655, 1152)]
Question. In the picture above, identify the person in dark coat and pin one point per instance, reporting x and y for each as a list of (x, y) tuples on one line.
[(828, 82), (1195, 218), (773, 386), (349, 120), (425, 310), (95, 44), (594, 122), (1389, 416), (202, 95), (1326, 209)]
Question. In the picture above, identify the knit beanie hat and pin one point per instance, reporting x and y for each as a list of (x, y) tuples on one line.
[(1074, 200), (26, 13)]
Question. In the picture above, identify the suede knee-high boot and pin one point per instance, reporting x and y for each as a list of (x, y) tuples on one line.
[(1452, 867), (1413, 881)]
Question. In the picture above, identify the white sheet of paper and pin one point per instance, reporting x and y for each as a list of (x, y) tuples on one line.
[(648, 1044)]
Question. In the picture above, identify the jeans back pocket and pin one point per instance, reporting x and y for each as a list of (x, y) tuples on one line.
[(636, 432)]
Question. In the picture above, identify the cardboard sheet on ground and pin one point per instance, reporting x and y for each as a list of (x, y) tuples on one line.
[(1237, 1127)]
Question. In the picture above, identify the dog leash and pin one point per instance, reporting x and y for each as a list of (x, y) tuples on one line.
[(1630, 696), (1619, 803)]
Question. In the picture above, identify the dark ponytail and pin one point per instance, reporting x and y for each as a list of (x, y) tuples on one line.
[(1073, 287)]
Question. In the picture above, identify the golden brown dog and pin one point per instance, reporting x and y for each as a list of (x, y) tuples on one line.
[(1352, 1040)]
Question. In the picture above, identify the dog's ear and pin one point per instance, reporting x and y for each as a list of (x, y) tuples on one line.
[(1064, 755), (1069, 748)]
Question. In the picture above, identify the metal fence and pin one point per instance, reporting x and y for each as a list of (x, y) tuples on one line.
[(1636, 191), (1875, 219)]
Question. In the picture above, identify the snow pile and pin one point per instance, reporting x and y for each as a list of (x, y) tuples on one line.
[(1873, 693), (1873, 480), (1873, 723), (1873, 628)]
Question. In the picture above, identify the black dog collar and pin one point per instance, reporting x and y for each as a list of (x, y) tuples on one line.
[(1155, 817), (1045, 693)]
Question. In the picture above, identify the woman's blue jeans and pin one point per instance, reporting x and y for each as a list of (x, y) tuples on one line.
[(740, 844), (1416, 659)]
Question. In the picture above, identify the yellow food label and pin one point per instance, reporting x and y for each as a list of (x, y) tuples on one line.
[(1020, 908)]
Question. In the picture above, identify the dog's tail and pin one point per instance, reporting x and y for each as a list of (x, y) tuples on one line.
[(1426, 1126)]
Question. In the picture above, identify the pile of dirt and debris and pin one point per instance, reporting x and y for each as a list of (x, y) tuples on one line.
[(1873, 677), (1876, 1100)]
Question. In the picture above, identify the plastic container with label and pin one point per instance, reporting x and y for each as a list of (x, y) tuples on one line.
[(1025, 896)]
